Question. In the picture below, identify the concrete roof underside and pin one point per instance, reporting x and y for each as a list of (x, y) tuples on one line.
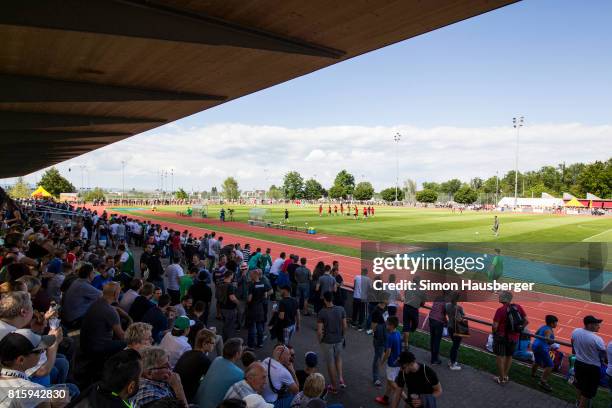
[(78, 75)]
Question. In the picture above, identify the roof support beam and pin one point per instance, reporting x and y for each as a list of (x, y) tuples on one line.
[(147, 19), (51, 137), (12, 120), (15, 88)]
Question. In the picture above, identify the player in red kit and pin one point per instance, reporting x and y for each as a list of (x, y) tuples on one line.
[(320, 209), (335, 210), (356, 212), (365, 212)]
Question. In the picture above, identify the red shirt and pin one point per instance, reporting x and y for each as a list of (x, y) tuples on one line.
[(500, 317), (287, 262), (176, 242), (70, 258)]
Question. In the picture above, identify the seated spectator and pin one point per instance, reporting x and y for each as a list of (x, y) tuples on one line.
[(194, 314), (194, 364), (20, 352), (234, 403), (157, 381), (175, 342), (311, 360), (101, 331), (421, 383), (248, 358), (138, 336), (222, 374), (15, 312), (79, 296), (156, 317), (255, 377), (185, 306), (142, 303), (131, 294), (313, 394), (282, 384), (102, 278), (120, 382), (256, 401)]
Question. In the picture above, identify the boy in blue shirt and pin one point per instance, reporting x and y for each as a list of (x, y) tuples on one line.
[(393, 348)]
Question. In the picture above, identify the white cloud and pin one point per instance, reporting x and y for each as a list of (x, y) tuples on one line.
[(260, 155)]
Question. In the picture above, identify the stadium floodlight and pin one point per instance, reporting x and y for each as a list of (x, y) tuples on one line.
[(396, 138), (122, 179), (517, 123)]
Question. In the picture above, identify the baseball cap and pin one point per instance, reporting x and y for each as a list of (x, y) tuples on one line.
[(256, 401), (183, 322), (591, 320), (23, 342), (311, 359)]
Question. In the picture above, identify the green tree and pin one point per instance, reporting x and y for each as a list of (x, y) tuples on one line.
[(293, 185), (313, 190), (476, 183), (431, 186), (346, 181), (426, 196), (229, 189), (95, 194), (388, 194), (596, 178), (336, 192), (275, 193), (363, 191), (466, 195), (20, 189), (450, 186), (489, 185), (54, 183), (182, 194)]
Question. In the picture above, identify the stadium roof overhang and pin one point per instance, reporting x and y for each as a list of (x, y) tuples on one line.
[(77, 75)]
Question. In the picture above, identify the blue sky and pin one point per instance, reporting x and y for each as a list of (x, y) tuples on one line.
[(452, 93), (548, 59)]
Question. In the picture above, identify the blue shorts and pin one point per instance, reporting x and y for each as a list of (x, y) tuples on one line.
[(542, 357)]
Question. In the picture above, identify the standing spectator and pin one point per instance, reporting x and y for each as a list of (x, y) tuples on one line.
[(175, 342), (288, 314), (174, 271), (275, 269), (456, 317), (421, 382), (437, 321), (184, 308), (156, 270), (265, 263), (201, 292), (509, 321), (291, 268), (302, 277), (331, 325), (194, 364), (326, 283), (339, 294), (590, 351), (361, 285), (413, 300), (282, 384), (229, 303), (131, 294), (158, 380), (242, 292), (379, 340), (393, 348), (222, 374), (186, 281), (126, 263), (246, 252), (541, 351), (255, 313)]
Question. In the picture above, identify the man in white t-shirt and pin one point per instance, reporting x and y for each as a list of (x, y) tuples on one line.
[(361, 284), (284, 382), (174, 271), (590, 351)]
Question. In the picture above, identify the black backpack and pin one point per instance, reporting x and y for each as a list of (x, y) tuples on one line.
[(515, 323)]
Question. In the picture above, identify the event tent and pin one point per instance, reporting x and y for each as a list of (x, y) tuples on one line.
[(574, 203), (41, 192)]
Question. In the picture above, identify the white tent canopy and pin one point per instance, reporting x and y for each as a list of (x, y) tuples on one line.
[(531, 202)]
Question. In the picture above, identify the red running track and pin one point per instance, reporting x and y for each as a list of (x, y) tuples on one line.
[(569, 311)]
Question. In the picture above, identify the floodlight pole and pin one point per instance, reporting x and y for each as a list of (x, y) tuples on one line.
[(122, 179), (396, 139), (517, 123), (496, 187), (172, 181)]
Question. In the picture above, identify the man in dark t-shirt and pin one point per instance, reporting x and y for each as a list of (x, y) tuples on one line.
[(155, 317), (288, 314), (228, 303), (421, 382), (200, 291), (194, 364), (255, 312), (101, 322)]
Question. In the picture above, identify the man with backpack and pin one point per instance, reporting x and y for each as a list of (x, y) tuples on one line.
[(509, 321)]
